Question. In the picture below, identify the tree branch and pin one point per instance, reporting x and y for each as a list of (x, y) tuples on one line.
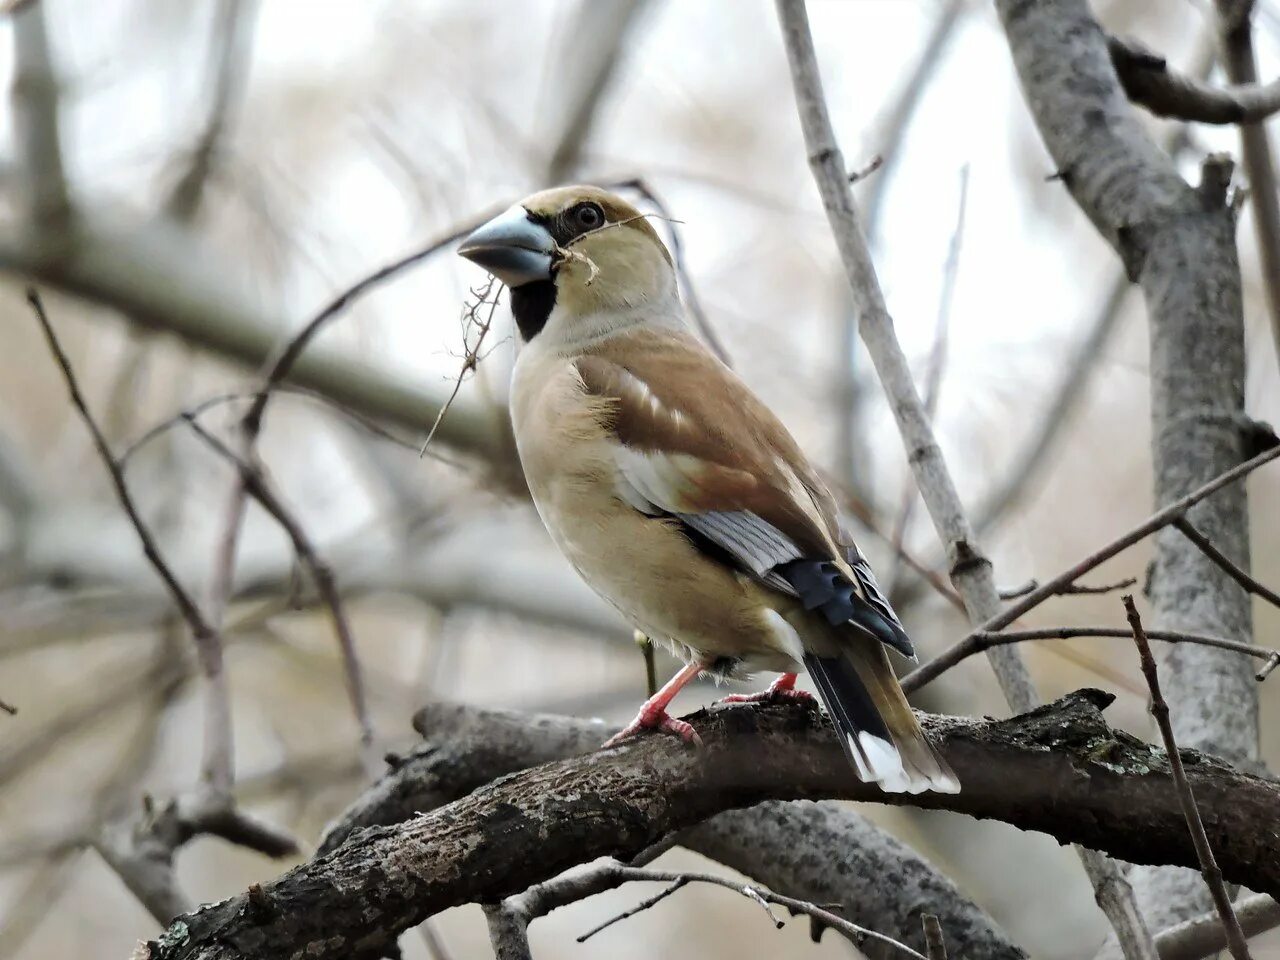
[(1059, 769), (1235, 21), (970, 570), (859, 936), (34, 97), (1149, 81), (932, 669), (885, 886), (1204, 936), (1178, 244), (1233, 570), (1204, 852), (217, 764)]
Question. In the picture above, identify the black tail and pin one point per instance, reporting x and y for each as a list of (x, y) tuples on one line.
[(878, 730)]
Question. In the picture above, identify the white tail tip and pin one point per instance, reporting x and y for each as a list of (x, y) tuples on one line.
[(878, 761)]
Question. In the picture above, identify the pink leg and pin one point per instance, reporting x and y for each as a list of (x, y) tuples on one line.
[(654, 712), (782, 689)]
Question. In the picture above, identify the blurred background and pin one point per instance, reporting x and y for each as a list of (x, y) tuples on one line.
[(258, 156)]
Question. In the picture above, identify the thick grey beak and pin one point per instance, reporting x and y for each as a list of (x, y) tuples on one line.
[(512, 247)]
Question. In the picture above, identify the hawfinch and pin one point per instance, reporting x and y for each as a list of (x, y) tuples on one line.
[(676, 494)]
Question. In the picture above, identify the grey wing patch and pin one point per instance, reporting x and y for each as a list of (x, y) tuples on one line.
[(754, 542)]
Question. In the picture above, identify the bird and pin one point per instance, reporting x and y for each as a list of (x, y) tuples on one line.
[(677, 494)]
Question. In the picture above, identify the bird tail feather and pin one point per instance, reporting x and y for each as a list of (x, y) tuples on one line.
[(877, 727)]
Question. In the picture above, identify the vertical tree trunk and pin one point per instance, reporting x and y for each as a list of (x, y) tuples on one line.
[(1178, 244)]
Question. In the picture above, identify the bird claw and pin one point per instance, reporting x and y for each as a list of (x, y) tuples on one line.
[(780, 691), (657, 720), (770, 696)]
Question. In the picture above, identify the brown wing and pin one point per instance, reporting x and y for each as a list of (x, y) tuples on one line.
[(693, 442)]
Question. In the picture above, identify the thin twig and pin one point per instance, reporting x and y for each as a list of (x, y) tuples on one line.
[(1208, 864), (1188, 530), (978, 642), (276, 371), (474, 331), (231, 42), (855, 934), (643, 905), (257, 486), (867, 169), (1073, 589), (937, 363), (934, 668), (217, 765)]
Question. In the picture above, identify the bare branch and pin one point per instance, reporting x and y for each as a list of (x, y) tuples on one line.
[(855, 934), (1073, 589), (773, 843), (1059, 769), (1235, 24), (977, 642), (970, 570), (474, 331), (587, 76), (1204, 853), (888, 141), (930, 670), (1204, 936), (257, 486), (867, 169), (1150, 82), (144, 857), (1233, 570), (34, 99), (232, 38), (217, 764)]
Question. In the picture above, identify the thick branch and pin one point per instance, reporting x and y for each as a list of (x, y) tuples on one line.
[(1059, 769), (883, 883)]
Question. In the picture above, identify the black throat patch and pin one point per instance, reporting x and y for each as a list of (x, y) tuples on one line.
[(531, 305)]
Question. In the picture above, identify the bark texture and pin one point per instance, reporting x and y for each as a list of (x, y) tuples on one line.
[(821, 852), (1178, 244), (1059, 770)]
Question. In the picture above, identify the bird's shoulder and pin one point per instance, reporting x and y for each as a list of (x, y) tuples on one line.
[(669, 401), (669, 393)]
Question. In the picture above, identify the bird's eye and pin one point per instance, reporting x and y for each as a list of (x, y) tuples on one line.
[(588, 216)]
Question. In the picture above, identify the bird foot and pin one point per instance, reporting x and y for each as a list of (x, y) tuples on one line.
[(781, 690), (651, 719)]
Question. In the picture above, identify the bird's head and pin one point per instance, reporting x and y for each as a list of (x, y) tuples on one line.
[(579, 261)]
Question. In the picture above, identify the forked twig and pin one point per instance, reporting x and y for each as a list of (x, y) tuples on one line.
[(474, 331), (217, 764), (854, 933)]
